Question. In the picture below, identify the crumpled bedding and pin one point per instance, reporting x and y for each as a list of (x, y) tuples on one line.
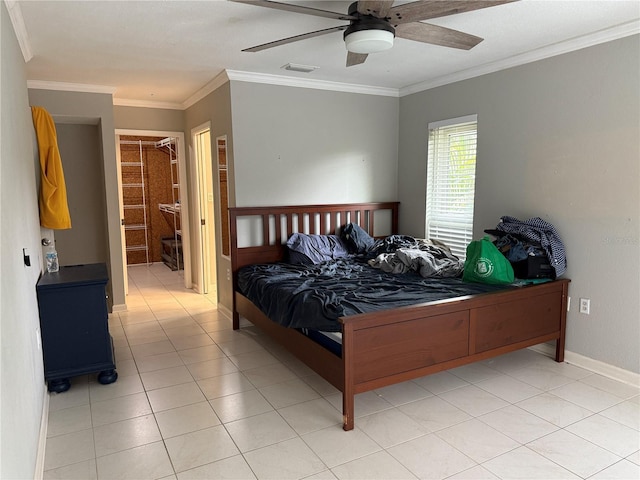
[(429, 258), (315, 296)]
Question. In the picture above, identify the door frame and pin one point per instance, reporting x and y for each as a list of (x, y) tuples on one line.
[(205, 248), (184, 197)]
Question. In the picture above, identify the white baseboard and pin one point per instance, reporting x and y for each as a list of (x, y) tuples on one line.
[(596, 366), (225, 311), (195, 286), (120, 307), (42, 439)]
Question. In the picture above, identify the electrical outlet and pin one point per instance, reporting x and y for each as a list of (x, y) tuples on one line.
[(228, 274), (585, 305)]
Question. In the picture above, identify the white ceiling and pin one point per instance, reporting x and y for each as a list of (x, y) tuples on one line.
[(168, 51)]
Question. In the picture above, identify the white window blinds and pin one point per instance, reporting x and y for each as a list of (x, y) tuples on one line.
[(451, 178)]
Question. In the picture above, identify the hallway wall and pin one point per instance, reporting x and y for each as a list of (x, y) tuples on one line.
[(86, 241), (22, 396)]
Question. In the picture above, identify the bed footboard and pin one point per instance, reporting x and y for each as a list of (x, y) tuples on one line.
[(389, 347), (381, 349)]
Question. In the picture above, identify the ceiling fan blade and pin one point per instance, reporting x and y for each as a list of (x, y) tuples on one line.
[(355, 58), (436, 35), (295, 38), (297, 9), (377, 8), (423, 10)]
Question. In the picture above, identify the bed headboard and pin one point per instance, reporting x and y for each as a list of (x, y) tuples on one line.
[(270, 227)]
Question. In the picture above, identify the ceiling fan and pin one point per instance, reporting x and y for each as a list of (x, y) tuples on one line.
[(373, 24)]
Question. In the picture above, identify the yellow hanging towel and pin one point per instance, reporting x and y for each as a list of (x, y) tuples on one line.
[(54, 210)]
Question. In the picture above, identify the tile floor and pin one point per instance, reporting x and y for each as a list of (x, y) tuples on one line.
[(196, 400)]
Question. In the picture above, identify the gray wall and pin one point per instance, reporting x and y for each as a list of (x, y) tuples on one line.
[(23, 390), (140, 118), (214, 108), (305, 146), (557, 139), (295, 145), (86, 241), (299, 145), (97, 108)]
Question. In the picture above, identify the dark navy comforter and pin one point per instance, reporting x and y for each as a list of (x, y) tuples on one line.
[(315, 296)]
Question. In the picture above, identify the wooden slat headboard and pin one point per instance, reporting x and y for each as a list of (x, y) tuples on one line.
[(276, 224)]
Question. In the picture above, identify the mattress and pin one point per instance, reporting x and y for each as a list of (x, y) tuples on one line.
[(332, 341)]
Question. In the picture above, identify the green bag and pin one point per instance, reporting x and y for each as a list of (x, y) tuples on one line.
[(486, 264)]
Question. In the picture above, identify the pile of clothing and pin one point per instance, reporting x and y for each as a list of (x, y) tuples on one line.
[(533, 247), (401, 254)]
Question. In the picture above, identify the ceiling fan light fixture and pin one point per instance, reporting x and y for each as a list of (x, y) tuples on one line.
[(369, 36), (369, 41)]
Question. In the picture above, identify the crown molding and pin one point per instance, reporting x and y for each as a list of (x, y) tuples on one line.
[(17, 20), (307, 83), (125, 102), (213, 85), (236, 75), (70, 87), (578, 43)]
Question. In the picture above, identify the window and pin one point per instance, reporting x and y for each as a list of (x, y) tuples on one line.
[(451, 178)]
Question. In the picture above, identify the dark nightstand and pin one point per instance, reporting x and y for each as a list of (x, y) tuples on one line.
[(74, 325)]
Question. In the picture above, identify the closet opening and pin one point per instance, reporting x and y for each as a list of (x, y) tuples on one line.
[(154, 219)]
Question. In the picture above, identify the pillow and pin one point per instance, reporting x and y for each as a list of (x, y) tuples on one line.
[(313, 249), (356, 239)]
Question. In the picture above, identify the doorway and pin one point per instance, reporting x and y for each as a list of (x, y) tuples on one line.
[(207, 278), (154, 207)]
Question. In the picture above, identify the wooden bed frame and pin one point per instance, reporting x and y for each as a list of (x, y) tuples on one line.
[(392, 346)]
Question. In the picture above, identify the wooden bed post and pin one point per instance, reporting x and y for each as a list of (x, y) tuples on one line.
[(233, 233), (394, 217), (348, 400), (563, 324)]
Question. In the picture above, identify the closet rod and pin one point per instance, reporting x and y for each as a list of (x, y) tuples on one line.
[(165, 142), (137, 142)]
